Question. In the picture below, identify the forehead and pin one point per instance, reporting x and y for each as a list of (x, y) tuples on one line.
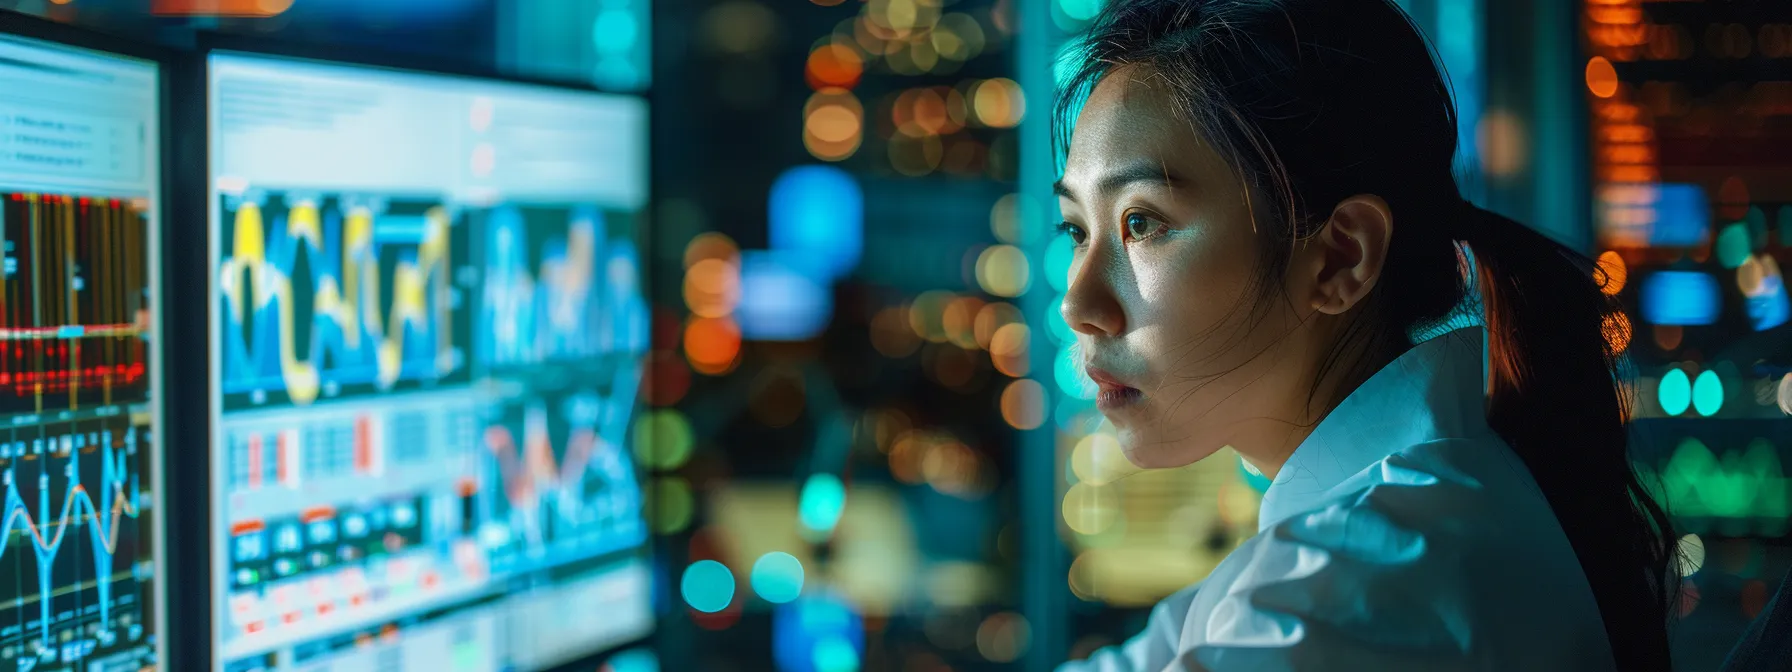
[(1129, 117)]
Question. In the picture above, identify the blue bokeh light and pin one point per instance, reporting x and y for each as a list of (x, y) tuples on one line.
[(778, 577), (779, 301), (1680, 298), (1674, 392), (1682, 216), (818, 213), (708, 586)]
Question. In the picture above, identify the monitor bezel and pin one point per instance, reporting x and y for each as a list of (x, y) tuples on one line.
[(164, 406), (192, 112)]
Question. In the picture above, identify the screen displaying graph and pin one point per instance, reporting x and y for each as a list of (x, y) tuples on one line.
[(326, 296), (428, 342), (78, 187)]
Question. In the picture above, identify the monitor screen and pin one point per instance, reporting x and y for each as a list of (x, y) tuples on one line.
[(78, 219), (428, 336)]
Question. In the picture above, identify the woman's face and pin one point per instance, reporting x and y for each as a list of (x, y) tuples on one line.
[(1162, 292)]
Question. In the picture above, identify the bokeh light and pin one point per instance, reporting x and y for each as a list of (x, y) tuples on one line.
[(1090, 509), (1617, 332), (1692, 554), (959, 321), (1674, 392), (833, 124), (1002, 270), (712, 345), (1070, 376), (1602, 78), (1004, 637), (891, 333), (663, 439), (915, 153), (1023, 404), (1785, 394), (1009, 348), (1669, 336), (821, 503), (1613, 272), (712, 287), (1012, 219), (1708, 393), (670, 505), (834, 65), (711, 245), (992, 318), (778, 577), (998, 103), (835, 654), (926, 315), (707, 586), (1097, 459), (1733, 245), (958, 37)]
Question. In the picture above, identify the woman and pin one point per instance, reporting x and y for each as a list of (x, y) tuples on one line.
[(1261, 200)]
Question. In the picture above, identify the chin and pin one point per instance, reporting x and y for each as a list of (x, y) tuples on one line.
[(1148, 449)]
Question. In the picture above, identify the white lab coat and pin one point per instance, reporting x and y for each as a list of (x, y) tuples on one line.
[(1403, 534)]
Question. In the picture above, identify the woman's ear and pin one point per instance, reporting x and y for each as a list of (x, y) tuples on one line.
[(1340, 264)]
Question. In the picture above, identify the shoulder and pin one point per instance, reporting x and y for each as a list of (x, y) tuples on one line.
[(1435, 556)]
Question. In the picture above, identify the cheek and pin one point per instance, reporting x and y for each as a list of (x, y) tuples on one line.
[(1188, 288)]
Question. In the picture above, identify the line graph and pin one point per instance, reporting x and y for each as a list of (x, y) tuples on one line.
[(325, 296), (562, 486), (557, 286), (74, 305), (71, 584)]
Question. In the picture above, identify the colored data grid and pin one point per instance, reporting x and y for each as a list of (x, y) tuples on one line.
[(74, 303), (323, 297)]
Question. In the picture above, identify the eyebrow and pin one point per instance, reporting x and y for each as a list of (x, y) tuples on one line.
[(1133, 173)]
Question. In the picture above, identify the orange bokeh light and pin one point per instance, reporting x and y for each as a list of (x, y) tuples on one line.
[(712, 345), (834, 65), (1602, 77), (1023, 404), (1613, 273)]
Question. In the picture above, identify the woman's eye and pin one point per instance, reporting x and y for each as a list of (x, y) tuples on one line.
[(1140, 226), (1076, 233)]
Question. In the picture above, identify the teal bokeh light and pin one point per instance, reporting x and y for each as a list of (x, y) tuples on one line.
[(1675, 392), (778, 577), (1708, 393), (823, 498), (1733, 245), (707, 586), (1058, 256), (1069, 374)]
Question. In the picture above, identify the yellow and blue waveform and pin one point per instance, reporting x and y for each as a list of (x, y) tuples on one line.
[(50, 532), (556, 289), (316, 300)]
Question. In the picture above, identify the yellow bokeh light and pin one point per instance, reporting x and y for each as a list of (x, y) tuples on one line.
[(1098, 459), (833, 124), (999, 103), (1023, 404), (1010, 219), (1089, 509), (1002, 270), (1692, 555), (958, 37)]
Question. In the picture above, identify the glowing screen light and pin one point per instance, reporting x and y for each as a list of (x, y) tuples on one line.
[(708, 586), (817, 633), (1707, 393), (778, 577), (818, 213), (1675, 392), (822, 501), (779, 300), (1680, 298), (1682, 216)]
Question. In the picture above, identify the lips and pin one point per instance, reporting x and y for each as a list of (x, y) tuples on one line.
[(1113, 394)]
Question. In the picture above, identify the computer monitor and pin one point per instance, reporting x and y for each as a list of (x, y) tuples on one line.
[(428, 332), (79, 381)]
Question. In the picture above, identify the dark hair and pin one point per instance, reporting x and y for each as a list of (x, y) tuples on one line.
[(1314, 101)]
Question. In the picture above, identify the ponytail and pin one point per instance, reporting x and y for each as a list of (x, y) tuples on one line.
[(1555, 396)]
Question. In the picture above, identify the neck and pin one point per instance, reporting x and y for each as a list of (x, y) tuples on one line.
[(1341, 364)]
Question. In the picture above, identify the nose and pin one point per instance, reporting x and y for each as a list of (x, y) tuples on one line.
[(1091, 305)]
